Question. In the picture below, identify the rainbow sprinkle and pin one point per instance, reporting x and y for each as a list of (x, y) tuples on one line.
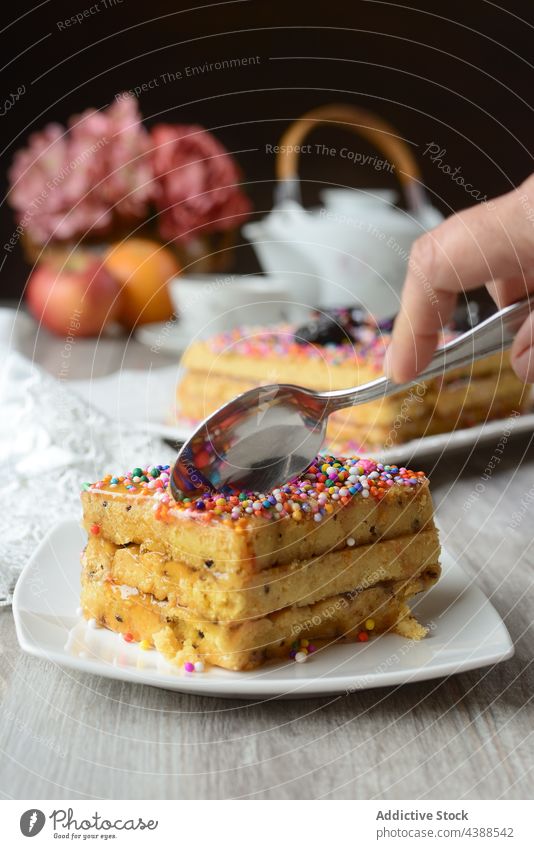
[(301, 649), (327, 484), (368, 349), (368, 346)]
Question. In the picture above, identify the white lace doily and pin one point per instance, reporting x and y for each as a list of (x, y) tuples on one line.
[(51, 441)]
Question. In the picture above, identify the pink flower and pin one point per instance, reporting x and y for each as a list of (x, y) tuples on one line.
[(42, 190), (124, 144), (69, 184), (195, 183), (105, 170)]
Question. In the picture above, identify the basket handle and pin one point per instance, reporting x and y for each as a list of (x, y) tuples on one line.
[(379, 132)]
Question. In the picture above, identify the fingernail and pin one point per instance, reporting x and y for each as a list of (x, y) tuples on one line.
[(523, 365), (388, 371)]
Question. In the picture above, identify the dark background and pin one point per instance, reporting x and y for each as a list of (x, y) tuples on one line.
[(460, 74)]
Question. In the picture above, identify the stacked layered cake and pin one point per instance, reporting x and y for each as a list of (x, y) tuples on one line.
[(238, 578), (331, 356)]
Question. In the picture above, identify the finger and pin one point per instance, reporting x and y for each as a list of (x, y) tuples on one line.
[(510, 290), (522, 353), (474, 246), (416, 332)]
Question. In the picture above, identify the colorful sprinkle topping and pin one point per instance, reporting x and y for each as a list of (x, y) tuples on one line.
[(328, 484), (368, 348), (300, 650)]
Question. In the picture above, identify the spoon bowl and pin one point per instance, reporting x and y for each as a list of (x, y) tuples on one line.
[(266, 434)]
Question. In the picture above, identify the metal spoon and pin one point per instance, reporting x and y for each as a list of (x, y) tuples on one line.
[(270, 434)]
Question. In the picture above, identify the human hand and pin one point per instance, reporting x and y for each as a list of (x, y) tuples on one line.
[(490, 242)]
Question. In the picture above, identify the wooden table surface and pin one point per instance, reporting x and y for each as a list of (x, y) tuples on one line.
[(65, 735)]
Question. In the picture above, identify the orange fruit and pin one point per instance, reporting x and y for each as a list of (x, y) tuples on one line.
[(143, 268)]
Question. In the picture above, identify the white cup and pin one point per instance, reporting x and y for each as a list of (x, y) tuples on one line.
[(207, 304)]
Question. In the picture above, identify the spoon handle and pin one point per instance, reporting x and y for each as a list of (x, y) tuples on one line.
[(490, 336)]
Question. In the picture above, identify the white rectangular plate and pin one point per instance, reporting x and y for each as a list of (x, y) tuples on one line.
[(466, 633)]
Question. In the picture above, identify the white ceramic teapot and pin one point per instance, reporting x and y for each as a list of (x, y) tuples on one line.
[(353, 250)]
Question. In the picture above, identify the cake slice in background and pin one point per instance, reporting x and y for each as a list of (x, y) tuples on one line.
[(327, 355)]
